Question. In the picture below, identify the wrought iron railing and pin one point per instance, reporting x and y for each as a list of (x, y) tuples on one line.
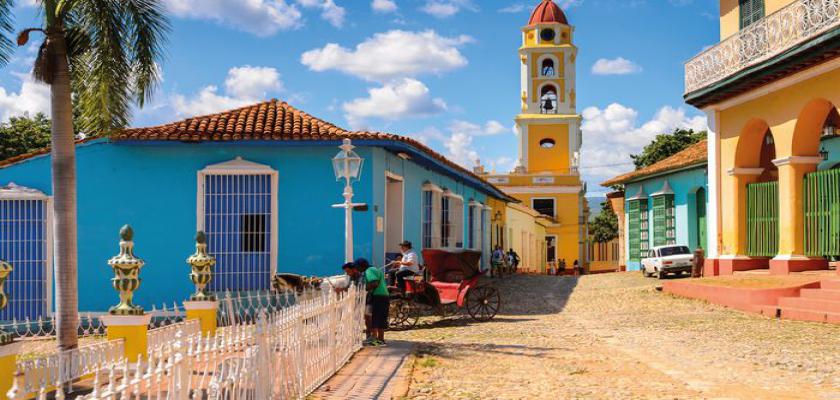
[(795, 23)]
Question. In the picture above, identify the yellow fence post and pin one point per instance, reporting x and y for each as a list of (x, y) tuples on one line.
[(8, 348), (127, 321), (202, 304)]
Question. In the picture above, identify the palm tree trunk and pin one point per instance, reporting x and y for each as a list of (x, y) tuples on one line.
[(64, 199)]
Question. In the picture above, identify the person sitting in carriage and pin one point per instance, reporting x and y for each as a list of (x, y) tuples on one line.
[(407, 265)]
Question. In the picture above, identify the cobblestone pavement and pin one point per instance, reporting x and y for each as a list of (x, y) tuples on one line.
[(613, 336)]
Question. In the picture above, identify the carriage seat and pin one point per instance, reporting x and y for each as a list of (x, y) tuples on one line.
[(448, 291)]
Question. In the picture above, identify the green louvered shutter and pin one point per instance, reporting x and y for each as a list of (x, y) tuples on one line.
[(822, 214), (763, 219), (750, 11), (661, 219), (633, 229)]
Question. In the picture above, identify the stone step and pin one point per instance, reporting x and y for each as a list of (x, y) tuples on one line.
[(830, 284), (799, 314), (829, 306), (825, 294)]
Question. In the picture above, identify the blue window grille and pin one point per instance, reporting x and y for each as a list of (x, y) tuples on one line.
[(428, 209), (471, 227), (445, 223), (24, 242), (238, 223)]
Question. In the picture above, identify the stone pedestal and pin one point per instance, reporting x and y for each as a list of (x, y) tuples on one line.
[(131, 328), (205, 312), (8, 366)]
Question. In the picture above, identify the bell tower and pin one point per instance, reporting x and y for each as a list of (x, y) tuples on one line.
[(546, 176), (548, 125)]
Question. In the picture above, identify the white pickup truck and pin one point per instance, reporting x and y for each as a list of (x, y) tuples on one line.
[(664, 260)]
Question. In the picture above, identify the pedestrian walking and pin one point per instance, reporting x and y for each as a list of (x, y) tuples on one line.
[(376, 286), (513, 259)]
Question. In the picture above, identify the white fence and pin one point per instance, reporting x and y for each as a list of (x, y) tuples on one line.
[(280, 353)]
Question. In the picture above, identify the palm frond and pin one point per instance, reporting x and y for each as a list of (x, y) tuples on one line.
[(115, 63), (7, 47), (149, 28)]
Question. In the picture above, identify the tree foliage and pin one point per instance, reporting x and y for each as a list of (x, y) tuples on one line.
[(23, 134), (666, 145), (605, 226)]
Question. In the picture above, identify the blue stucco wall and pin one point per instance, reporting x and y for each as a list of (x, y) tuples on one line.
[(685, 185), (152, 186)]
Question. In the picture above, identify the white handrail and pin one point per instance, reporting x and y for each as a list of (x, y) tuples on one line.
[(793, 24)]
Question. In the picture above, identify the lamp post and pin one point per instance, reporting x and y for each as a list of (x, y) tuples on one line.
[(348, 166)]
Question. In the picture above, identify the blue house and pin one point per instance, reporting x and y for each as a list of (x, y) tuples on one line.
[(258, 180), (665, 203)]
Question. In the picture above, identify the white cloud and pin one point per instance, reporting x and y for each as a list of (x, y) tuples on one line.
[(32, 97), (611, 134), (249, 82), (458, 141), (260, 17), (490, 128), (330, 12), (514, 8), (447, 8), (390, 55), (383, 6), (460, 149), (615, 66), (399, 99), (243, 85)]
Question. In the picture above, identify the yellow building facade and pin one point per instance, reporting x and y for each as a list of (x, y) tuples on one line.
[(546, 176), (770, 91), (526, 232)]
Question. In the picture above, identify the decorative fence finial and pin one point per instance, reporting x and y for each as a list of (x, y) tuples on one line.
[(5, 270), (126, 274), (202, 269)]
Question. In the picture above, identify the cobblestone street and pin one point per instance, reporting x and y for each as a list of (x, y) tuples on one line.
[(613, 336)]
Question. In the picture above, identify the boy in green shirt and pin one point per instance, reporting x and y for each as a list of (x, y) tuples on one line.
[(379, 297)]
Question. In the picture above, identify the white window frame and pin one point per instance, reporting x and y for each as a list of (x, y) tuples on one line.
[(20, 193), (436, 211), (554, 205), (456, 220), (477, 210), (239, 166)]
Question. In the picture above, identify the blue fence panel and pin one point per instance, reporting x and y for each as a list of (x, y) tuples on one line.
[(23, 243)]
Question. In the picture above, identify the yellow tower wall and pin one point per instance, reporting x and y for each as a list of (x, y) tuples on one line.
[(566, 228), (546, 160)]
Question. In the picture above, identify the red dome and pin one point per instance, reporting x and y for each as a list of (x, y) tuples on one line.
[(547, 12)]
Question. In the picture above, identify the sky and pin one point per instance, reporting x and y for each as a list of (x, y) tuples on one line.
[(443, 71)]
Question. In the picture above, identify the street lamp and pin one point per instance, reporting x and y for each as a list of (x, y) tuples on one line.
[(348, 166)]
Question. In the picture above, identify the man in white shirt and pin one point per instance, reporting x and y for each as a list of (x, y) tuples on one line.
[(408, 265)]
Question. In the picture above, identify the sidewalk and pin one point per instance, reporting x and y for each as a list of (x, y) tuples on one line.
[(373, 373)]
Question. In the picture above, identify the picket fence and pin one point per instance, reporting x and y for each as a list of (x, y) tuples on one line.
[(283, 347)]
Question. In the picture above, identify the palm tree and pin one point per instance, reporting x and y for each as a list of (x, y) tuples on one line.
[(103, 56)]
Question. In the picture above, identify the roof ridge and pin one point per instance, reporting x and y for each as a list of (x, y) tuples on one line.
[(664, 165)]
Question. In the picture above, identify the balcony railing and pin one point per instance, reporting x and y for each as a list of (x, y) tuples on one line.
[(773, 34)]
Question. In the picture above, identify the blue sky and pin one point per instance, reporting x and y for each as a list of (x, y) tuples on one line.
[(443, 71)]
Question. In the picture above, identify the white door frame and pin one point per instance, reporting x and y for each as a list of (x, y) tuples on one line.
[(394, 177)]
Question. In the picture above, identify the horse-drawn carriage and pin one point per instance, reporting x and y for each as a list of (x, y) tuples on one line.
[(450, 279)]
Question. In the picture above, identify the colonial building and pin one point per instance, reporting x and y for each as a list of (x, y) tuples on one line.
[(259, 180), (770, 91), (664, 203), (546, 176)]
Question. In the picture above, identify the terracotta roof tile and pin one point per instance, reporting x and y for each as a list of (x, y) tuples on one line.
[(270, 120), (693, 155), (547, 12)]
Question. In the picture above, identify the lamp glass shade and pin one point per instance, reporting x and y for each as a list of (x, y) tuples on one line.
[(347, 165)]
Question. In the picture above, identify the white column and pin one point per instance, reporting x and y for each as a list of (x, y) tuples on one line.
[(713, 172)]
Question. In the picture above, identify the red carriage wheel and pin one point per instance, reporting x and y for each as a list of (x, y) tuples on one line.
[(403, 314), (483, 303)]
